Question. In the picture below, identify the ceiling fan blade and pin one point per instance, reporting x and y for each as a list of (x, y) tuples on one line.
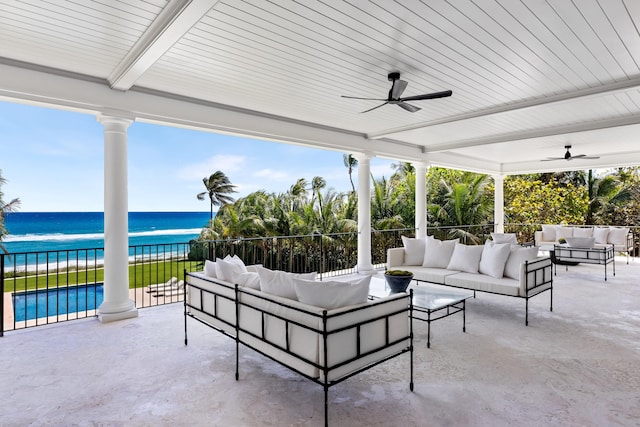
[(550, 159), (591, 157), (369, 99), (396, 90), (433, 95), (408, 107), (371, 109)]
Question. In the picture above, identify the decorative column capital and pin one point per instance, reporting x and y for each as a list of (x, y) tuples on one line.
[(116, 121)]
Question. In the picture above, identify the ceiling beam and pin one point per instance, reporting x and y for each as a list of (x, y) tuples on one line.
[(613, 87), (173, 22), (539, 133), (69, 92)]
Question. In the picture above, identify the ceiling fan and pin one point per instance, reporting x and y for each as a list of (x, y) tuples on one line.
[(397, 87), (568, 156)]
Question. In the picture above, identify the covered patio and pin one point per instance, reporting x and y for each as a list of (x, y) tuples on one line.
[(528, 78), (577, 365)]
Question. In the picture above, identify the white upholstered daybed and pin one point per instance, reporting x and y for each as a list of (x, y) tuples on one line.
[(326, 346)]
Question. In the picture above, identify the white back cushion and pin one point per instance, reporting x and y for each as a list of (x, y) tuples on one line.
[(437, 253), (228, 268), (413, 250), (280, 283), (505, 238), (563, 232), (494, 258), (332, 294), (618, 236), (248, 279), (583, 232), (210, 268), (601, 234), (466, 258), (549, 233), (517, 256)]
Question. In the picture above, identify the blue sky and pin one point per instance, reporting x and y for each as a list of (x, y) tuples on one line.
[(53, 161)]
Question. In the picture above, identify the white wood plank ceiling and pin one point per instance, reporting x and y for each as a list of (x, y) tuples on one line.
[(528, 76)]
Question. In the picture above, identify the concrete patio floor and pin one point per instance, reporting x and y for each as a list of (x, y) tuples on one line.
[(576, 366)]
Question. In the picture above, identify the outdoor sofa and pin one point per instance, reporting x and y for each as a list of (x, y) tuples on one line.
[(620, 237), (498, 268), (325, 345)]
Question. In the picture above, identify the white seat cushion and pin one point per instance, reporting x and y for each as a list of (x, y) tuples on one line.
[(481, 282)]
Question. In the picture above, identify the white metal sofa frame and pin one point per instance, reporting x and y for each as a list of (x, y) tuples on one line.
[(326, 367)]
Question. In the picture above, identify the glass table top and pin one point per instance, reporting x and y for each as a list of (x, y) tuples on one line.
[(424, 295)]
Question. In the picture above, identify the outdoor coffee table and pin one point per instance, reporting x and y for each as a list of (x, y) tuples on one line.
[(429, 304)]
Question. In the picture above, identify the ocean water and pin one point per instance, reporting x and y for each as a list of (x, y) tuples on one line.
[(62, 231)]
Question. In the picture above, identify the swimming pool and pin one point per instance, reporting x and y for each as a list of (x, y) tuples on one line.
[(55, 301)]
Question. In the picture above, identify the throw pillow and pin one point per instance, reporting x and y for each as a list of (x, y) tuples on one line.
[(227, 269), (618, 236), (504, 238), (601, 234), (276, 282), (248, 279), (210, 269), (332, 294), (413, 250), (563, 232), (437, 253), (549, 233), (517, 256), (583, 232), (466, 258), (581, 242), (494, 258)]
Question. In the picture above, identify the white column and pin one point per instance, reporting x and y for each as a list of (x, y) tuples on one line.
[(364, 214), (117, 304), (498, 203), (421, 200)]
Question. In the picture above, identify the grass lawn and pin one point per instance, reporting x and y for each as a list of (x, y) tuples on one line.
[(140, 275)]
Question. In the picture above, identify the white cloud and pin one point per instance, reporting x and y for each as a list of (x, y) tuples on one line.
[(223, 162), (272, 175)]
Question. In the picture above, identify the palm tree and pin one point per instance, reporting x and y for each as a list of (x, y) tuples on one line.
[(218, 189), (604, 192), (350, 163), (4, 209)]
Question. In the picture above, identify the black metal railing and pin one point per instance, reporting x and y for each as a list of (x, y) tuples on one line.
[(39, 288)]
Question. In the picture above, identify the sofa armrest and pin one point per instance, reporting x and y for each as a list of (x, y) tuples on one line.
[(535, 276), (537, 237), (395, 257)]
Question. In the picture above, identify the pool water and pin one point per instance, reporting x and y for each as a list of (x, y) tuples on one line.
[(55, 301)]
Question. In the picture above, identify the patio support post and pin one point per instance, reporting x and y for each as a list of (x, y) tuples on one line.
[(421, 200), (116, 305), (364, 214), (498, 203)]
